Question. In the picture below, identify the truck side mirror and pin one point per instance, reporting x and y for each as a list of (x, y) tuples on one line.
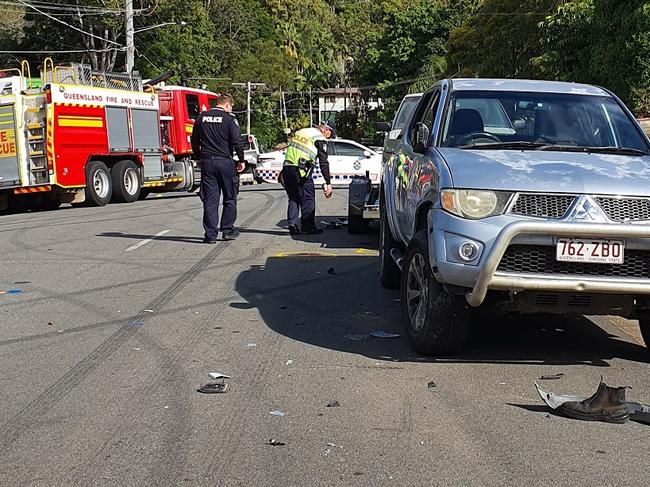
[(367, 154), (383, 126), (420, 137)]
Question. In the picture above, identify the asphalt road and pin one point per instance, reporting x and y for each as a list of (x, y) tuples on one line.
[(103, 348)]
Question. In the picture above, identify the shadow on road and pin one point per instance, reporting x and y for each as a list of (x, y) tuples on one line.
[(297, 297)]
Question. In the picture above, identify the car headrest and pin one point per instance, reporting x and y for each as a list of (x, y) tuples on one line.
[(466, 121)]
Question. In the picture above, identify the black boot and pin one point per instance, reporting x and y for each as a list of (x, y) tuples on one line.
[(607, 404)]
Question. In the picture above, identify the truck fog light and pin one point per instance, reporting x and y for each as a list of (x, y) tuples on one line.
[(468, 251)]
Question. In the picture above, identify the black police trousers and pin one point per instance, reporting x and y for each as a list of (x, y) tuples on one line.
[(302, 197), (218, 176)]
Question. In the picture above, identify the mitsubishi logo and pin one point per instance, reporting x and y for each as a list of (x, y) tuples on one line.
[(586, 210)]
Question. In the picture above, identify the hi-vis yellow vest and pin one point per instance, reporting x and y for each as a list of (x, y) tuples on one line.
[(302, 151)]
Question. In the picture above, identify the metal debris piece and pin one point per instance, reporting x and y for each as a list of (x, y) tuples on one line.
[(23, 282), (276, 413), (14, 291), (148, 310), (551, 376), (384, 334), (334, 225), (50, 323), (283, 307), (274, 442), (333, 404), (331, 271), (330, 444), (218, 375), (342, 221), (431, 385), (213, 388), (252, 345), (288, 362)]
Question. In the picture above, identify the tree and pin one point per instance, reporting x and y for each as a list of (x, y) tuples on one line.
[(12, 22), (499, 40), (581, 43), (93, 25), (189, 51)]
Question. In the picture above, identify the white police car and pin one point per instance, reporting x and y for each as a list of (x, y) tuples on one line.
[(347, 159)]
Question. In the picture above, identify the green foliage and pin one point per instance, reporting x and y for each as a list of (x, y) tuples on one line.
[(499, 40), (583, 42), (297, 122), (348, 125), (397, 46), (12, 22), (265, 124), (189, 51)]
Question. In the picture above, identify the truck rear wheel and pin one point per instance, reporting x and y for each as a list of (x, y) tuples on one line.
[(436, 322), (126, 182), (99, 187), (389, 273)]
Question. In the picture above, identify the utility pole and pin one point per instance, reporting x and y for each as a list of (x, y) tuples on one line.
[(248, 85), (130, 47), (311, 115)]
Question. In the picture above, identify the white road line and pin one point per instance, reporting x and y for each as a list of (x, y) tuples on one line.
[(146, 241)]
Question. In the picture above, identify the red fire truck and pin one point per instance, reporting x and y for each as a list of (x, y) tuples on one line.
[(93, 137)]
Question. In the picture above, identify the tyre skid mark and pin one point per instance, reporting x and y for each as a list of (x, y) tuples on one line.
[(29, 416)]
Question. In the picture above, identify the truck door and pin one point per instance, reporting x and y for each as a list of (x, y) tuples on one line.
[(418, 173), (9, 162)]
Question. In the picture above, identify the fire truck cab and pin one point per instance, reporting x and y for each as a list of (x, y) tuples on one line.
[(93, 137)]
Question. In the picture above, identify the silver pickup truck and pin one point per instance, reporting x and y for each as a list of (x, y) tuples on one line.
[(514, 196)]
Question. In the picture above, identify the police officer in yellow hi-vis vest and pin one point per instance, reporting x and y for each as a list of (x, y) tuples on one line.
[(306, 146)]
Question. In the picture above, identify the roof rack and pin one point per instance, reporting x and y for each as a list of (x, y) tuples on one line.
[(83, 74)]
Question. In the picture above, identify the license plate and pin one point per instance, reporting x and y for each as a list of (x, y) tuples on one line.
[(593, 251)]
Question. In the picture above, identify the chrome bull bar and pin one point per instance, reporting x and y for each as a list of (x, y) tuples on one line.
[(490, 278)]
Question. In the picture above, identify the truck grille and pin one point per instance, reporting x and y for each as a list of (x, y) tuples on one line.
[(542, 205), (540, 259), (625, 209)]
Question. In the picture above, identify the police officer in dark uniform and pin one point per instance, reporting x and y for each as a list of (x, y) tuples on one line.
[(215, 137)]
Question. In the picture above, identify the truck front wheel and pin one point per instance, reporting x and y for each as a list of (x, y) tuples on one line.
[(436, 322), (99, 187), (126, 182)]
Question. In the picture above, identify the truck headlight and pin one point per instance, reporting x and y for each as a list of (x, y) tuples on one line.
[(474, 203)]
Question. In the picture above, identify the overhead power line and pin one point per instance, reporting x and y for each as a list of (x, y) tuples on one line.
[(65, 51), (72, 8), (59, 14), (69, 25)]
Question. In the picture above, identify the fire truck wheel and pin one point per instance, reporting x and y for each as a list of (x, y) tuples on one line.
[(126, 182), (98, 184)]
